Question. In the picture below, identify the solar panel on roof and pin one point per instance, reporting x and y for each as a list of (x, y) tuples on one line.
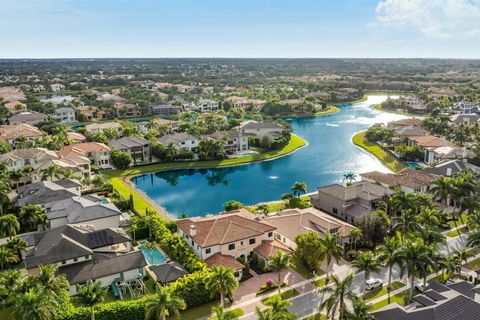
[(98, 239), (424, 301), (435, 296)]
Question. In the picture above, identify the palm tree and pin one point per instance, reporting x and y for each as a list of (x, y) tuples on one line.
[(349, 177), (367, 262), (360, 311), (331, 250), (462, 254), (10, 281), (473, 220), (67, 173), (266, 314), (164, 303), (222, 280), (299, 188), (33, 305), (221, 314), (431, 236), (16, 175), (30, 214), (51, 283), (9, 225), (339, 296), (405, 223), (389, 254), (90, 294), (6, 257), (150, 245), (280, 307), (50, 172), (429, 217), (355, 234), (414, 254), (17, 245), (279, 262)]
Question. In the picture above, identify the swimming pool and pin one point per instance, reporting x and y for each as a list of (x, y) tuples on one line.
[(414, 165), (154, 256)]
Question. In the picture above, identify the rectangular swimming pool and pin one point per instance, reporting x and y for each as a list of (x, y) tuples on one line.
[(154, 256), (414, 165)]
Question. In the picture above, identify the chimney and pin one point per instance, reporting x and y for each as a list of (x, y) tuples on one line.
[(259, 215), (449, 172), (193, 230)]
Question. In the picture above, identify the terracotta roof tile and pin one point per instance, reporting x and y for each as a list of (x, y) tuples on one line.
[(219, 259)]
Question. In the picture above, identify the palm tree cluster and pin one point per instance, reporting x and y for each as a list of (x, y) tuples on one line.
[(37, 297), (277, 310)]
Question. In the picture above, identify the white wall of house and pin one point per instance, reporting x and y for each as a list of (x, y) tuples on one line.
[(102, 223)]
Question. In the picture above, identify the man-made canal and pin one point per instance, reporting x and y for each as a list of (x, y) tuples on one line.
[(328, 156)]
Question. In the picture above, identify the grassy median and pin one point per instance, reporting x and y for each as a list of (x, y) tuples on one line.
[(388, 159)]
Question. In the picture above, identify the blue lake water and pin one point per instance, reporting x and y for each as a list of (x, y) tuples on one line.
[(328, 156)]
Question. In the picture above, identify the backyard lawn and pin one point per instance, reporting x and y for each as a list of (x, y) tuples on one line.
[(285, 295), (370, 295), (473, 265), (380, 153), (400, 298)]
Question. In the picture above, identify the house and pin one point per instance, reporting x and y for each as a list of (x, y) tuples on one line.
[(346, 94), (85, 253), (464, 107), (224, 238), (20, 158), (97, 153), (182, 140), (89, 113), (65, 115), (405, 132), (321, 95), (84, 210), (448, 168), (468, 119), (437, 149), (168, 272), (10, 133), (439, 93), (45, 192), (171, 125), (206, 105), (137, 147), (128, 110), (407, 122), (64, 100), (11, 94), (99, 127), (79, 165), (350, 202), (31, 118), (261, 129), (165, 110), (455, 300), (413, 104), (293, 222), (56, 87), (15, 106), (409, 181), (76, 137), (234, 140)]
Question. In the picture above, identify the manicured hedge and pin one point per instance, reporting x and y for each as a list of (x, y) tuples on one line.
[(119, 310)]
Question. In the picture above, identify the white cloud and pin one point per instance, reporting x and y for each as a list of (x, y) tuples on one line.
[(433, 18)]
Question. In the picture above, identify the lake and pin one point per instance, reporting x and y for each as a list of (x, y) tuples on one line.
[(328, 156)]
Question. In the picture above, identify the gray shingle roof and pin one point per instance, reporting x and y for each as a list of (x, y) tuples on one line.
[(80, 209), (128, 142), (46, 191), (453, 166), (176, 138), (168, 272)]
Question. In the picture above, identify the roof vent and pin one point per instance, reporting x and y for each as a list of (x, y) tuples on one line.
[(193, 230), (449, 172)]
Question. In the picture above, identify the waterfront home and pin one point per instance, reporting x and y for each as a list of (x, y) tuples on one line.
[(321, 95), (89, 113), (346, 94), (56, 87), (351, 201), (448, 168), (243, 102), (65, 115), (436, 149), (82, 210), (409, 181), (206, 105), (85, 253), (10, 133), (45, 191), (465, 107), (168, 272), (31, 118), (405, 132), (224, 238), (182, 140), (138, 148), (408, 122), (454, 300), (293, 222), (99, 127), (165, 110), (261, 129), (469, 119), (413, 104), (79, 165), (98, 153), (234, 140), (171, 125)]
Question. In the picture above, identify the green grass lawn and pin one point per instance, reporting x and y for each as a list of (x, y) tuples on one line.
[(301, 269), (380, 153), (236, 312), (285, 295), (370, 295), (202, 311), (473, 265), (330, 110), (140, 202), (454, 233), (317, 316), (458, 222), (400, 298)]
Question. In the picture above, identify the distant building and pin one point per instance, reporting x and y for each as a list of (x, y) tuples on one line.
[(137, 147), (11, 133), (183, 141), (65, 115), (165, 110), (261, 129), (56, 87), (207, 105), (28, 118), (99, 127), (465, 107)]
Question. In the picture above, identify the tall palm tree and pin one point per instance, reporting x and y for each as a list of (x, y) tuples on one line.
[(429, 217), (332, 250), (265, 314), (50, 172), (90, 294), (349, 177), (339, 296), (9, 225), (299, 188), (473, 239), (51, 283), (31, 213), (33, 305), (280, 307), (6, 257), (16, 175), (367, 262), (389, 254), (279, 262), (360, 311), (431, 236), (222, 280), (164, 303), (220, 314), (462, 254), (355, 234), (17, 245), (10, 281), (405, 223), (414, 254), (473, 220)]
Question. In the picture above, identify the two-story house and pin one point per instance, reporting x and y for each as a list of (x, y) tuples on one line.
[(409, 181), (182, 140), (97, 153), (10, 133), (233, 140), (65, 115), (99, 127), (261, 129), (207, 105), (137, 147)]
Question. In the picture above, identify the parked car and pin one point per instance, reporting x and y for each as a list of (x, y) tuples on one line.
[(419, 286), (373, 283)]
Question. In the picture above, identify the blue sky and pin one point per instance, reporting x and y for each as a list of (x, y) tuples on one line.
[(240, 28)]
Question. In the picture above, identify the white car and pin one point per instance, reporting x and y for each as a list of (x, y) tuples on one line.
[(419, 286), (373, 283)]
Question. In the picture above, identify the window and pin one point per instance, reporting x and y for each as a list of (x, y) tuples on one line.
[(270, 234), (208, 250), (87, 257), (64, 262), (231, 246), (241, 243), (237, 274), (335, 210), (251, 241), (75, 259)]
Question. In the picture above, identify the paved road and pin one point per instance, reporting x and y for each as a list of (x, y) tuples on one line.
[(308, 303)]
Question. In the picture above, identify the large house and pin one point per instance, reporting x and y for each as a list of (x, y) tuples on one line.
[(234, 140), (455, 300), (165, 110), (437, 149), (407, 122), (350, 202), (409, 181), (224, 238), (182, 140), (56, 87), (293, 222), (89, 113), (464, 107), (469, 119), (45, 192), (137, 147), (85, 253), (10, 133), (261, 129), (65, 115), (31, 118), (405, 132), (97, 153), (99, 127), (448, 168), (414, 104), (207, 105)]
